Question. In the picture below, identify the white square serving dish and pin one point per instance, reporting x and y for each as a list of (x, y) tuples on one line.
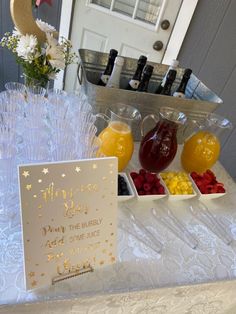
[(123, 198), (179, 197), (151, 197), (208, 196)]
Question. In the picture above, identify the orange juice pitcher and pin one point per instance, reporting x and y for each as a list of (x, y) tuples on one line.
[(116, 139), (202, 149)]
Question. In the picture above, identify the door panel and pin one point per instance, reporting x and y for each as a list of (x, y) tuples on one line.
[(94, 41)]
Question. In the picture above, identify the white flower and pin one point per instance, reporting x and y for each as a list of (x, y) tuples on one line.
[(16, 32), (27, 47), (55, 53), (45, 27), (51, 41)]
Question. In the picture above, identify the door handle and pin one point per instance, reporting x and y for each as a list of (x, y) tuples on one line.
[(158, 45), (165, 24)]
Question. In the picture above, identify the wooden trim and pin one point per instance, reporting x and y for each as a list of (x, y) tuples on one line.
[(65, 22), (179, 30)]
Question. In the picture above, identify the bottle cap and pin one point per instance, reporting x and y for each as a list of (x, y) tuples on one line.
[(119, 61), (113, 53), (187, 72), (148, 69), (174, 63), (142, 60)]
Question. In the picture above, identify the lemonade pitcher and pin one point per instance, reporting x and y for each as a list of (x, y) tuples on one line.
[(116, 138), (202, 149)]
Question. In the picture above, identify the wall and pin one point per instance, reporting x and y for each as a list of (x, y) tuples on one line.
[(9, 70), (209, 49)]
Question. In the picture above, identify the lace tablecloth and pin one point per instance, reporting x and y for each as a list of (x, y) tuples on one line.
[(138, 268)]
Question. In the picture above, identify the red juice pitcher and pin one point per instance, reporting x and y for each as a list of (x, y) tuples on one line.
[(159, 146)]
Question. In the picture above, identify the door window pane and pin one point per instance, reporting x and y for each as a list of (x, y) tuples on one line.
[(148, 10), (102, 3), (125, 7)]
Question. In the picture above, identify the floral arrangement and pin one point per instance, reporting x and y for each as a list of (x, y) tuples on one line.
[(40, 61)]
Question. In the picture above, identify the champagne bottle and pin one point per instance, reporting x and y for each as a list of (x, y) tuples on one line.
[(135, 81), (173, 66), (180, 92), (168, 84), (114, 80), (110, 64), (147, 73)]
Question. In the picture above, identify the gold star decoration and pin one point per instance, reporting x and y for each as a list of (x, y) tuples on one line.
[(63, 175), (95, 166), (31, 274), (45, 171), (25, 174), (28, 187), (39, 181), (77, 169)]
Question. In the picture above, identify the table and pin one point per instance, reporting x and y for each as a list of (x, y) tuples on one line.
[(138, 268)]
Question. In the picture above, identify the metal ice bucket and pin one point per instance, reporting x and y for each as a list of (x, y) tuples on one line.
[(200, 99)]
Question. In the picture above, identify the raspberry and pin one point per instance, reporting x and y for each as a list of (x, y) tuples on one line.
[(147, 187), (161, 190), (133, 174), (140, 178), (150, 177), (157, 183), (220, 189), (142, 172), (154, 191), (138, 183), (141, 192)]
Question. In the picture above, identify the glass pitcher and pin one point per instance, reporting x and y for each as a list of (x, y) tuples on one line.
[(159, 146), (202, 149), (116, 138)]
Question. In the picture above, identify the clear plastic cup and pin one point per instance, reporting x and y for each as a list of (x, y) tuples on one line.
[(11, 102), (64, 152), (34, 153), (15, 87), (33, 91)]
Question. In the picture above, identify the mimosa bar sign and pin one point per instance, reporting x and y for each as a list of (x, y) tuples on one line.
[(69, 218)]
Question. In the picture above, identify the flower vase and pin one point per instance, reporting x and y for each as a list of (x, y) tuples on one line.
[(33, 82)]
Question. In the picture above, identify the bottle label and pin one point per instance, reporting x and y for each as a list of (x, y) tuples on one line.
[(105, 78), (179, 95), (134, 84)]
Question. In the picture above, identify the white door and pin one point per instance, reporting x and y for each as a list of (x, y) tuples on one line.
[(130, 26)]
